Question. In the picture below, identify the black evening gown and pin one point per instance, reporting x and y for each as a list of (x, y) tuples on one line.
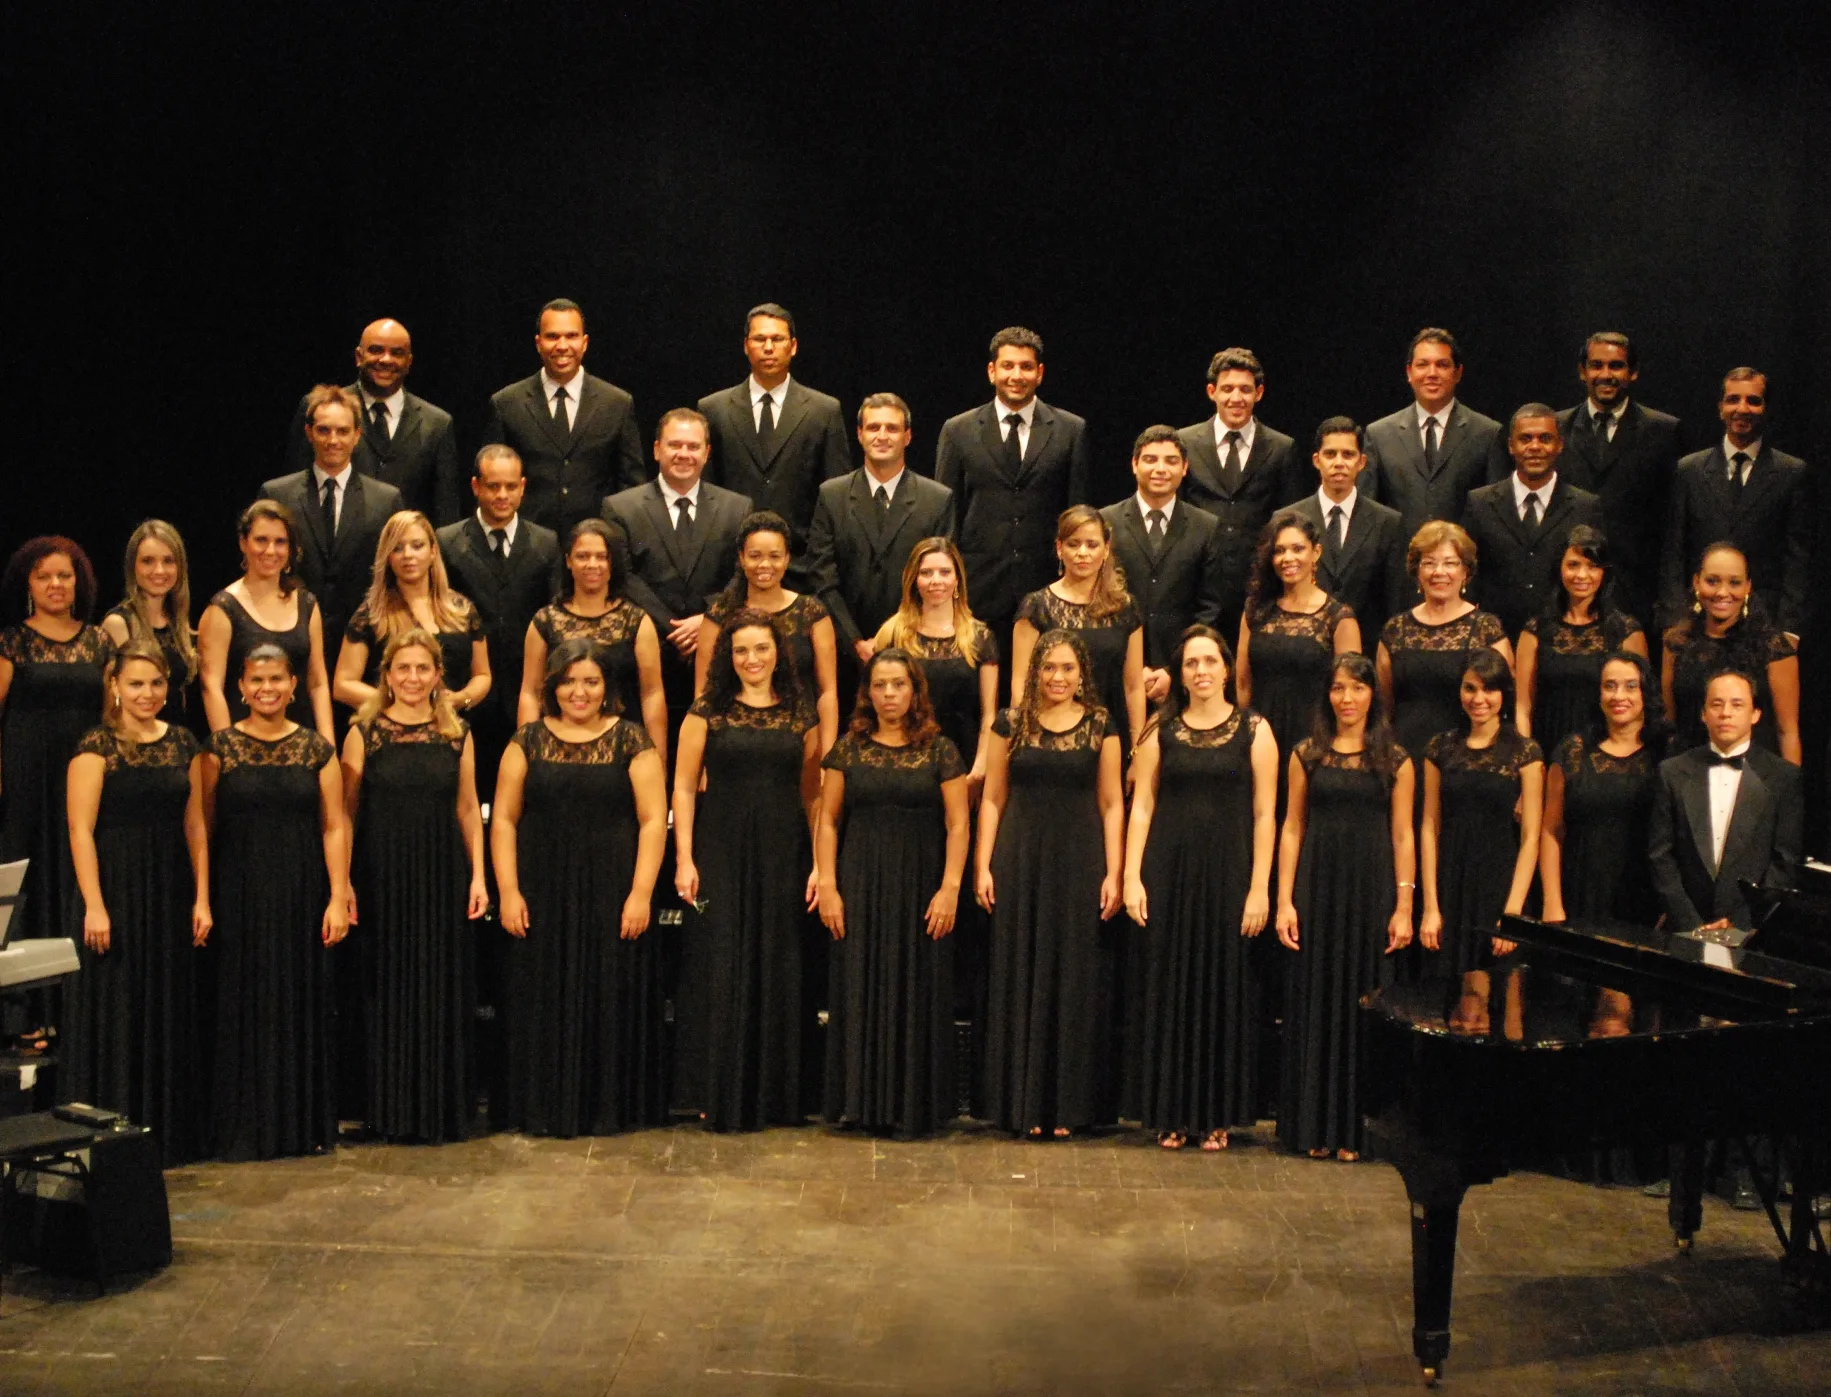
[(1106, 639), (1608, 802), (889, 1041), (455, 651), (1048, 1038), (586, 1035), (1200, 1041), (1292, 652), (274, 1071), (412, 878), (953, 684), (1427, 666), (56, 698), (245, 633), (740, 1034), (615, 630), (1750, 646), (1477, 844), (795, 624), (182, 702), (1345, 893), (129, 1033), (1568, 687)]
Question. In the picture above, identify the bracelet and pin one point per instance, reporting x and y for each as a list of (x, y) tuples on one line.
[(1412, 886)]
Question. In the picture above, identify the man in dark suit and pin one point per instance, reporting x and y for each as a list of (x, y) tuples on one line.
[(405, 440), (1520, 524), (1425, 458), (576, 435), (1623, 452), (1168, 551), (1363, 542), (339, 512), (866, 523), (773, 438), (506, 566), (1724, 812), (682, 533), (1744, 492), (1014, 465), (1240, 470)]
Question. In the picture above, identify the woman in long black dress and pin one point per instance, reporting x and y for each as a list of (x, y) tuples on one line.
[(1561, 652), (1484, 789), (1049, 870), (279, 871), (156, 610), (1346, 875), (409, 780), (1729, 628), (409, 590), (744, 862), (801, 619), (1089, 600), (266, 605), (141, 851), (592, 605), (889, 894), (577, 831), (1198, 859), (1291, 632)]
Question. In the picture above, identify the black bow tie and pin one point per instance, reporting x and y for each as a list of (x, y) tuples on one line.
[(1718, 759)]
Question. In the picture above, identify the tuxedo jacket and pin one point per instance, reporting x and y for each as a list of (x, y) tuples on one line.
[(1178, 587), (1007, 518), (506, 592), (1763, 846), (856, 554), (1769, 518), (671, 577), (568, 472), (809, 446), (337, 570), (1266, 482), (420, 459), (1471, 453), (1368, 573), (1632, 476), (1516, 568)]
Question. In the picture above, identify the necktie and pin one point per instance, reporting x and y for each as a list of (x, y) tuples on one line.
[(683, 515), (1014, 443), (1154, 525), (1230, 468), (378, 414), (1738, 469), (1530, 515), (1430, 447), (881, 498), (499, 542), (327, 508), (1335, 530), (560, 419), (1604, 420), (1718, 759), (766, 425)]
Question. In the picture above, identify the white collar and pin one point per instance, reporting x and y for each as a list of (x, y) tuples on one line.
[(320, 476), (574, 386), (1346, 506), (508, 529), (1442, 415), (669, 494), (1026, 414), (777, 395), (395, 401), (1247, 433), (1168, 507), (890, 485), (1543, 492), (1618, 412), (1735, 751), (1752, 450)]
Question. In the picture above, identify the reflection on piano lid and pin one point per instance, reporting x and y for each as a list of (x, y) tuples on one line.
[(26, 965)]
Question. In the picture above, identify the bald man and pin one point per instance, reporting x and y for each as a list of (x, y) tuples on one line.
[(406, 441)]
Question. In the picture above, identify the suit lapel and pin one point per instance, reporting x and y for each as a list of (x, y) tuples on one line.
[(314, 517), (1745, 817), (993, 442), (349, 521), (1763, 478), (794, 408), (663, 522), (1453, 432), (536, 401), (1414, 442), (890, 526), (398, 444), (1131, 524), (1694, 789), (1042, 423), (1205, 458), (1360, 524)]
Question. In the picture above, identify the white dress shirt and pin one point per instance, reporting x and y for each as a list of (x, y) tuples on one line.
[(669, 495), (394, 402), (549, 385), (1441, 417), (1247, 433), (777, 396), (508, 531), (1615, 415), (1025, 416), (1168, 507), (1521, 494), (1345, 506), (342, 478), (1725, 783), (887, 486), (1752, 450)]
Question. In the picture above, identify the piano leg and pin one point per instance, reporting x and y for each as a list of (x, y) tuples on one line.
[(1433, 1275), (1685, 1208)]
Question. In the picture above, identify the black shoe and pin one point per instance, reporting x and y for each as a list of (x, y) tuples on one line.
[(1746, 1199), (1659, 1188)]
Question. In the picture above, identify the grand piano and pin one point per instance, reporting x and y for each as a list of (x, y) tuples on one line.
[(1601, 1034)]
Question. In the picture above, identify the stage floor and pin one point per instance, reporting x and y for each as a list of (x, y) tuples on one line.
[(810, 1262)]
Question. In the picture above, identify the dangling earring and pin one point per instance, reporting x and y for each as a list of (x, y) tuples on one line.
[(1697, 605), (31, 606), (1745, 602)]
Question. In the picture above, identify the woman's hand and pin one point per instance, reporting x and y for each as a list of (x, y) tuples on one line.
[(832, 910), (1257, 912), (686, 882), (812, 893), (1287, 926), (201, 921), (983, 891), (1111, 896), (943, 907), (97, 930), (513, 914), (335, 924), (1398, 932), (479, 900), (1430, 931), (1137, 904), (636, 913), (352, 916)]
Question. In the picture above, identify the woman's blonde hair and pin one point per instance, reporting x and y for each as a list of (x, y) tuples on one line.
[(1433, 536), (177, 601), (903, 630), (133, 650), (445, 718), (389, 614), (1109, 594)]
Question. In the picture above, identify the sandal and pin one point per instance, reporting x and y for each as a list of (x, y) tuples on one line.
[(1061, 1132), (37, 1042), (1173, 1139), (1215, 1140), (1348, 1156), (1321, 1154)]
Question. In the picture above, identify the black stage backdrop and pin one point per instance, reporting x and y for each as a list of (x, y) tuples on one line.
[(204, 209)]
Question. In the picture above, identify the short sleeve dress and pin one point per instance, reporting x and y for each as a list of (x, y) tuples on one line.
[(455, 653), (245, 633), (1748, 645), (796, 623), (615, 630), (1477, 843), (1291, 654), (1568, 683), (1106, 639), (953, 684), (1427, 666), (890, 1034), (1608, 803)]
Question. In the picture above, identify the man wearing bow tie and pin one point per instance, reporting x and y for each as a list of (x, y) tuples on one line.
[(1725, 813)]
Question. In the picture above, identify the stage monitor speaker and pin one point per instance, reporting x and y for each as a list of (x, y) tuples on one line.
[(104, 1219)]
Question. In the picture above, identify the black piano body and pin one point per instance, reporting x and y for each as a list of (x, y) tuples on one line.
[(1596, 1035)]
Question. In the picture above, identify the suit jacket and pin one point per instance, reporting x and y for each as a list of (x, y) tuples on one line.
[(809, 447), (1007, 518), (1632, 475), (420, 459), (1368, 574), (671, 578), (1472, 453), (1769, 518), (1181, 585), (507, 593), (1270, 479), (1763, 846), (337, 571), (856, 554), (1516, 571), (568, 473)]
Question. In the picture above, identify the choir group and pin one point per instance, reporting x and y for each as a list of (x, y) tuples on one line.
[(1368, 705)]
